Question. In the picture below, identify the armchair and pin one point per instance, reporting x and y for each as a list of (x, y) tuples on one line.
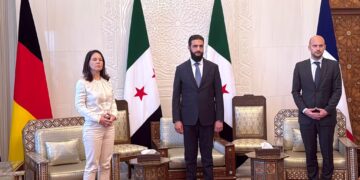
[(287, 137), (170, 145), (249, 123), (38, 166), (36, 133)]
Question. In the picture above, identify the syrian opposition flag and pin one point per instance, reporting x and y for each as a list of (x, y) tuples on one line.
[(31, 98), (325, 29), (218, 52), (141, 90)]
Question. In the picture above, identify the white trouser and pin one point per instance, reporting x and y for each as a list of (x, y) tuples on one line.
[(98, 143)]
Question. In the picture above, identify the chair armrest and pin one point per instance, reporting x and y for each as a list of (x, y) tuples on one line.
[(36, 164), (228, 149), (223, 141), (33, 157), (160, 147), (349, 150), (347, 143)]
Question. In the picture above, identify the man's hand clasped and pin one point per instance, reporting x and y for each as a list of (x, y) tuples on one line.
[(316, 113)]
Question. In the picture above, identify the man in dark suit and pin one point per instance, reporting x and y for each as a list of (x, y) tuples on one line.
[(197, 107), (316, 91)]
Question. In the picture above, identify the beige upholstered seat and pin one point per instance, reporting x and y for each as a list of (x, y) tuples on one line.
[(177, 161), (249, 123), (287, 137), (171, 144), (61, 134), (247, 144), (45, 161), (297, 159), (125, 150), (38, 164), (68, 171), (58, 134)]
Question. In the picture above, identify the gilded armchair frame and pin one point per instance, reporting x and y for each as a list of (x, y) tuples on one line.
[(36, 166)]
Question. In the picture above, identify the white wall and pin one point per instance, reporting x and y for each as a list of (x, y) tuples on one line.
[(266, 39)]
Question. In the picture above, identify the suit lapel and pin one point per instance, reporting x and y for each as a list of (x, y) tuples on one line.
[(323, 70), (205, 72), (190, 72), (308, 71)]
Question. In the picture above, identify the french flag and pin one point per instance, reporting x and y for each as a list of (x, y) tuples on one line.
[(325, 29)]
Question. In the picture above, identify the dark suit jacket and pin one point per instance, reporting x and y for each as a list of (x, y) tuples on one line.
[(190, 102), (326, 96)]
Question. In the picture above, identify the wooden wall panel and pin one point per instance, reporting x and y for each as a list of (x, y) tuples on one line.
[(345, 3), (346, 18), (347, 32)]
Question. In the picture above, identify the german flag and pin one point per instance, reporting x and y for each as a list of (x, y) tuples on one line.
[(31, 97)]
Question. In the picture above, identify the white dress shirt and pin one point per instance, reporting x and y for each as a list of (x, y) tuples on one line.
[(193, 67), (93, 99), (313, 66)]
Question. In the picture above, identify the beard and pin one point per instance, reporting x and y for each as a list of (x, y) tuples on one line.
[(317, 55), (195, 57)]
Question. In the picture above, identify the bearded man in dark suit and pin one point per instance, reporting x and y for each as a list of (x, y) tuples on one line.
[(197, 107)]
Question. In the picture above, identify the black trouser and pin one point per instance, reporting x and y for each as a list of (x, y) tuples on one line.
[(202, 136), (309, 134)]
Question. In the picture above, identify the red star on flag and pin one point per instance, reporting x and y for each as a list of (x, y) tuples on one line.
[(140, 93), (223, 89)]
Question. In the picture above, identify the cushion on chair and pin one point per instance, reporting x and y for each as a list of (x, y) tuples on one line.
[(169, 137), (292, 136), (128, 149), (298, 159), (177, 160), (122, 134), (247, 144), (65, 152), (58, 134), (289, 124), (298, 144), (68, 171), (249, 121)]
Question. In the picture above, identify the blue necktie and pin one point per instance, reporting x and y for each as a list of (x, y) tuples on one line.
[(197, 74), (317, 74)]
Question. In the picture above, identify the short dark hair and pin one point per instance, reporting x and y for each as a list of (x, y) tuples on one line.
[(194, 37), (87, 70)]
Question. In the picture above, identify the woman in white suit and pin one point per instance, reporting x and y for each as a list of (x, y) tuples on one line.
[(94, 100)]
